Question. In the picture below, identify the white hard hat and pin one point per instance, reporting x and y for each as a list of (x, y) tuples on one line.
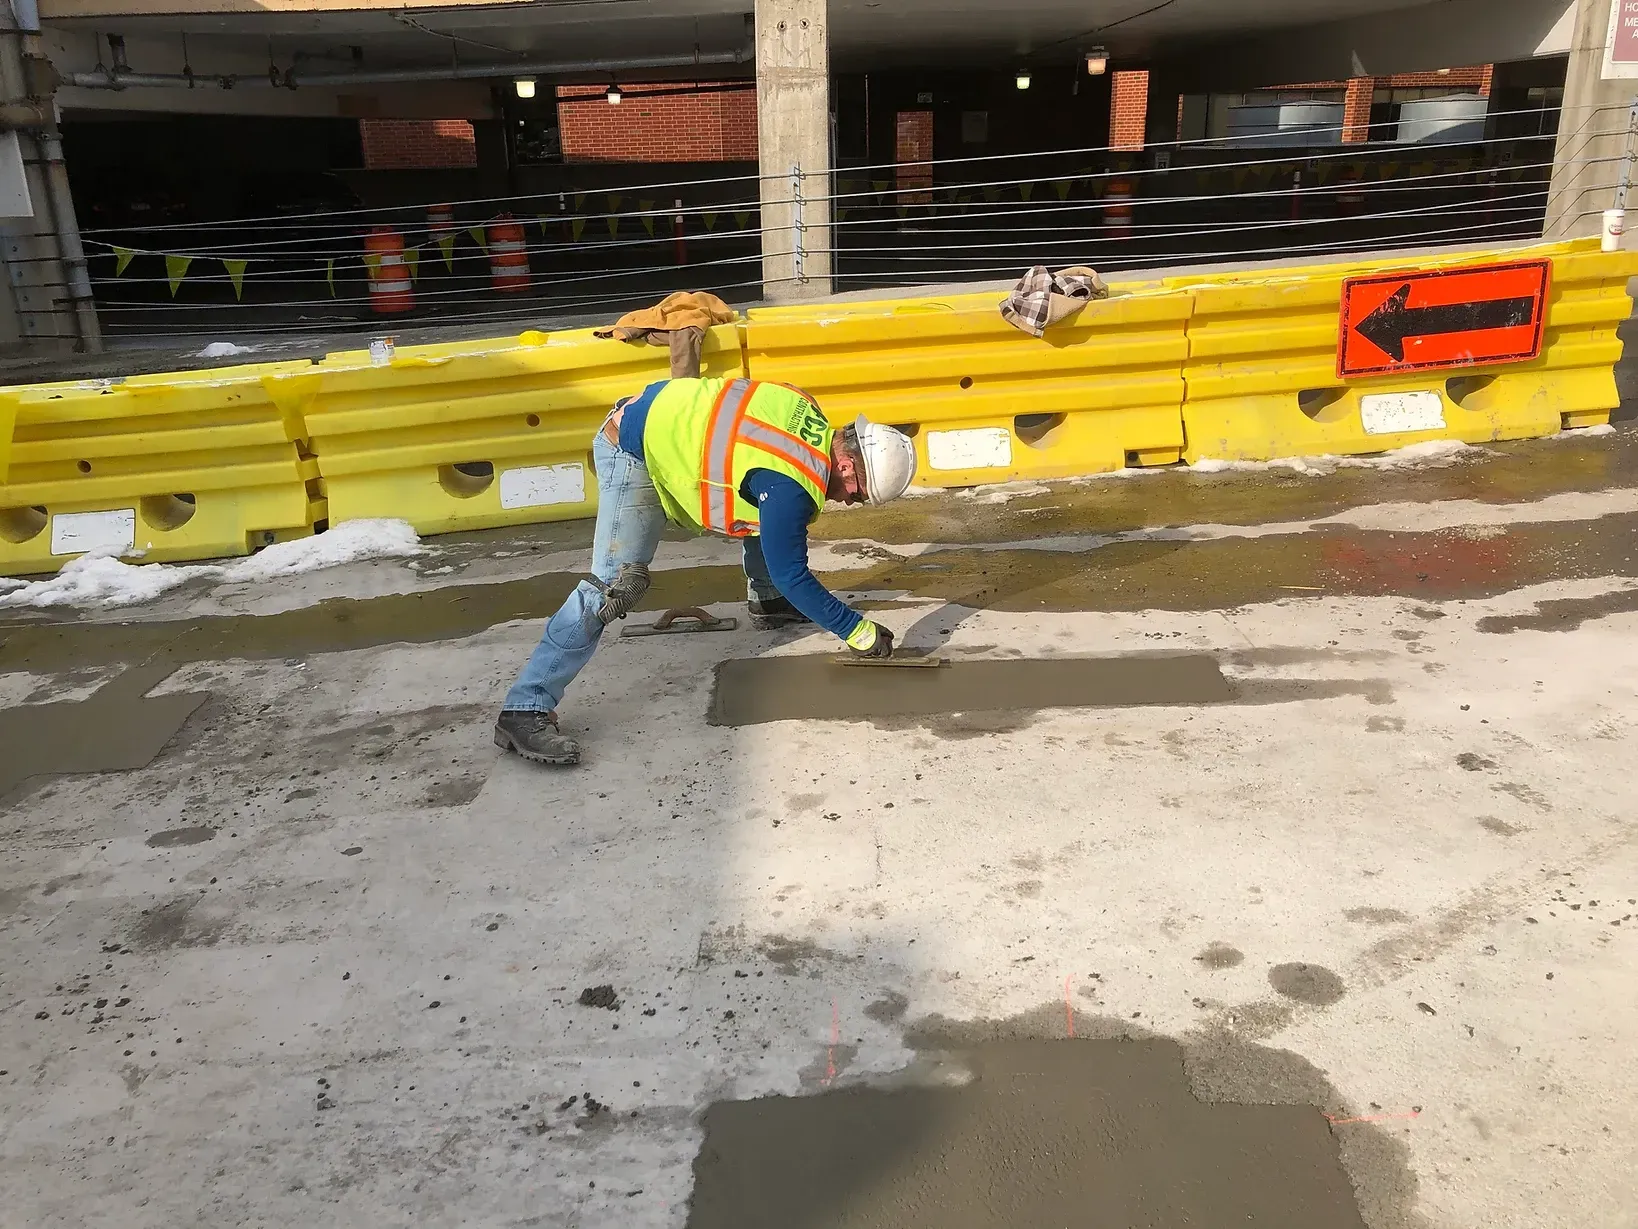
[(889, 459)]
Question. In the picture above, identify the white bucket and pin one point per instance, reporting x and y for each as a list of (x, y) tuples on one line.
[(1615, 226)]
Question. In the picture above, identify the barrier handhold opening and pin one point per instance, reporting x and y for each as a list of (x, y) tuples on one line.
[(167, 512), (83, 466), (23, 524), (1315, 402), (532, 420), (966, 381), (1460, 388), (1032, 429), (466, 479)]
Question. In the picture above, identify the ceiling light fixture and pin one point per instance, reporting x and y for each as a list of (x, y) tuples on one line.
[(614, 95), (525, 86), (1023, 79), (1097, 62)]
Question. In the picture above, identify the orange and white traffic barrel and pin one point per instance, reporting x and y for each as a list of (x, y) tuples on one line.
[(391, 290), (508, 255), (1117, 208), (1351, 197)]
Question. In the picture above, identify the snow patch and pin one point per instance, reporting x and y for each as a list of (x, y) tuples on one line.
[(1428, 453), (1582, 433), (97, 578), (223, 349)]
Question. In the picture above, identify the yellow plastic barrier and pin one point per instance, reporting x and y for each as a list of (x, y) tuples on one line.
[(1262, 379), (184, 465), (473, 435), (984, 401)]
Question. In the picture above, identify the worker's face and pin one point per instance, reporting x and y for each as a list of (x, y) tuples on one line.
[(847, 476)]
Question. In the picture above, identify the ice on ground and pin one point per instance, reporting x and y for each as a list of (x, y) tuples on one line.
[(99, 579), (224, 349), (1430, 452), (1581, 433)]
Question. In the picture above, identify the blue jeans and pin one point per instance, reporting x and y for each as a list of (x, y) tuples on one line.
[(629, 524), (758, 584)]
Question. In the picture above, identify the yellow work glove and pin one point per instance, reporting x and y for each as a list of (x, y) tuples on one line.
[(871, 640)]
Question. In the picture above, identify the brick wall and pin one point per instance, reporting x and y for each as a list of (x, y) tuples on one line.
[(1356, 110), (417, 144), (913, 151), (716, 126), (1128, 109)]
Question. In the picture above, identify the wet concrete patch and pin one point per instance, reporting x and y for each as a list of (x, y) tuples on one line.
[(118, 728), (1022, 1132), (1562, 614), (1137, 575), (1220, 956), (1307, 983), (750, 691), (172, 837), (1376, 917)]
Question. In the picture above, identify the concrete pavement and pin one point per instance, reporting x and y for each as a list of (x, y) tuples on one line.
[(329, 959)]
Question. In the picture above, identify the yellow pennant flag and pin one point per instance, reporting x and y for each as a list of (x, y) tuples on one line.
[(648, 216), (614, 225), (614, 202), (122, 258), (879, 184), (330, 275), (841, 213), (902, 210), (710, 220), (477, 236), (372, 262), (176, 268), (742, 218), (446, 245), (992, 194), (578, 228), (579, 201), (1063, 186), (545, 221), (1026, 190), (236, 272), (412, 261)]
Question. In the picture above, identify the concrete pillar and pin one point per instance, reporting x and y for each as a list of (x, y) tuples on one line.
[(1592, 131), (793, 134), (47, 306)]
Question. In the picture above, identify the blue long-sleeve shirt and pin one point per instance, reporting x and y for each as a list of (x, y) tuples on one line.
[(784, 510)]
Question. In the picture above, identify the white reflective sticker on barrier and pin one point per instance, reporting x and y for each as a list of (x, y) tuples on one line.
[(977, 448), (1392, 413), (74, 533), (542, 484)]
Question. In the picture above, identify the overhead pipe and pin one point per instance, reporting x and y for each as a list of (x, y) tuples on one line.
[(113, 79)]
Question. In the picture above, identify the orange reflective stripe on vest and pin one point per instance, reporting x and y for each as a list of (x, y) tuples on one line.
[(730, 427)]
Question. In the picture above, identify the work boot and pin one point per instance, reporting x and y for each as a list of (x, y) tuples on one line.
[(771, 614), (535, 736)]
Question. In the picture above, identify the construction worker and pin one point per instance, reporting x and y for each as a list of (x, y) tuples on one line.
[(740, 458)]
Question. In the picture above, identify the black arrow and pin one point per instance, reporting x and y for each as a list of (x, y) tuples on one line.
[(1389, 325)]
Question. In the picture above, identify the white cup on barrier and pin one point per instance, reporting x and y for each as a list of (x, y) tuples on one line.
[(1615, 226)]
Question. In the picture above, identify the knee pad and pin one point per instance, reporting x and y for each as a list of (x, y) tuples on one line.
[(621, 597)]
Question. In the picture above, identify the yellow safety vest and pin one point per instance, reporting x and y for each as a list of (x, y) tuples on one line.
[(703, 435)]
